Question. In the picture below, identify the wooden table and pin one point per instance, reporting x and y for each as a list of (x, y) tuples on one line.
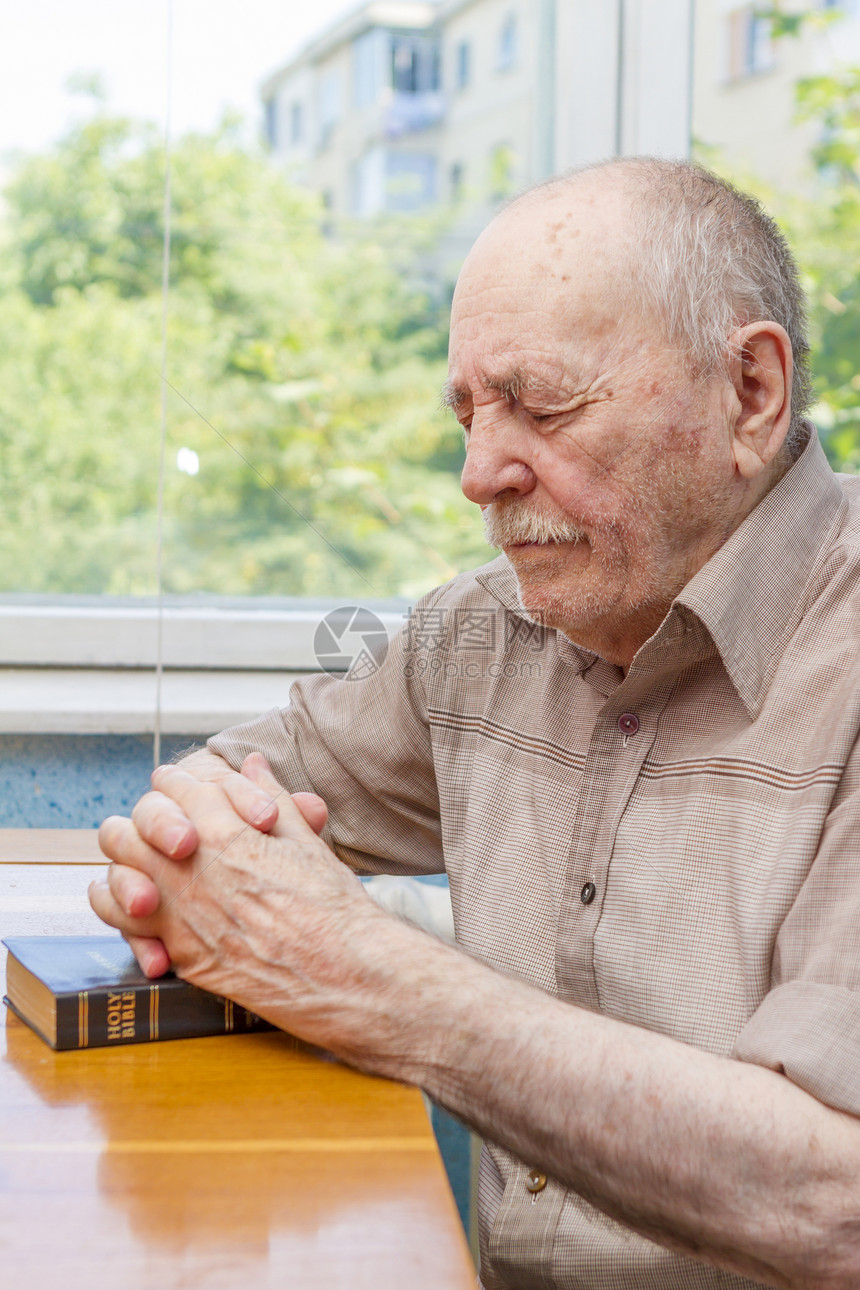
[(232, 1162)]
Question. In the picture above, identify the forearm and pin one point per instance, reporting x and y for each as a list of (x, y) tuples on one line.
[(204, 764), (720, 1160)]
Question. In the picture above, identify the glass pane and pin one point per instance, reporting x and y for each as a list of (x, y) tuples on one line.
[(306, 452)]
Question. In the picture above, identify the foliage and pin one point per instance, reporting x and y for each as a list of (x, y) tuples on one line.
[(303, 370), (823, 227)]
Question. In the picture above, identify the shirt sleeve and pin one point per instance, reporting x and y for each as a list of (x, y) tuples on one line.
[(807, 1027), (362, 742)]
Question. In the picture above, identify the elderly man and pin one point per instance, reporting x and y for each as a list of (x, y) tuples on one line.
[(630, 741)]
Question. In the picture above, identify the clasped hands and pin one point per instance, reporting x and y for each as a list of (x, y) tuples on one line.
[(227, 882)]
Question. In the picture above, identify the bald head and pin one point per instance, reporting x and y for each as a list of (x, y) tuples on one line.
[(674, 249), (559, 239)]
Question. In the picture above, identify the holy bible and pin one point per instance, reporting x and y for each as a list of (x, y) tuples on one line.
[(88, 992)]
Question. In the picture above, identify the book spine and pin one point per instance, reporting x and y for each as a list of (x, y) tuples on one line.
[(170, 1009)]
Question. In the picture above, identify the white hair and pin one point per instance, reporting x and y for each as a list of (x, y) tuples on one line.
[(708, 260)]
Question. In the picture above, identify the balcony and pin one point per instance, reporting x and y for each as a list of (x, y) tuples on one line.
[(410, 113)]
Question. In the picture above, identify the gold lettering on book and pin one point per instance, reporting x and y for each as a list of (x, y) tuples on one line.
[(114, 1016), (129, 1001)]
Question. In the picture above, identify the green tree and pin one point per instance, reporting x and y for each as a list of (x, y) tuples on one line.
[(304, 371), (823, 227)]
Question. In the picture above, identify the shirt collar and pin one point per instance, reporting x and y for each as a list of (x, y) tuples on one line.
[(752, 593)]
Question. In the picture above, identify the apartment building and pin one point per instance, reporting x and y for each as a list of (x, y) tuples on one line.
[(401, 105), (744, 81), (358, 114)]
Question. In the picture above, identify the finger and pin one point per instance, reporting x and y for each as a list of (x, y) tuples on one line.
[(135, 893), (313, 808), (252, 803), (121, 842), (291, 819), (109, 911), (203, 802), (164, 825), (150, 954)]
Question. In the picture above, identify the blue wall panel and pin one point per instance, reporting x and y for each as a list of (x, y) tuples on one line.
[(74, 781)]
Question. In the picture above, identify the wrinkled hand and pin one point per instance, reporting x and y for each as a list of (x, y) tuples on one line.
[(274, 921), (163, 825)]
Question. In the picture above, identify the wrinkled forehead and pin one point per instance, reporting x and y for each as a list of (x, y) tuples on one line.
[(555, 255), (547, 286)]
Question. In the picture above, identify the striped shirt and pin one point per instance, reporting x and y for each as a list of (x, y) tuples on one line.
[(677, 848)]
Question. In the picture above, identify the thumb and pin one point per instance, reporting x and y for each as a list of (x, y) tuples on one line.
[(310, 809), (313, 808)]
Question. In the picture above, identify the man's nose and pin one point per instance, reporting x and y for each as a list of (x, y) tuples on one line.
[(494, 463)]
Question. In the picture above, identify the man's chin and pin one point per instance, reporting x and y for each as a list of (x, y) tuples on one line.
[(564, 607)]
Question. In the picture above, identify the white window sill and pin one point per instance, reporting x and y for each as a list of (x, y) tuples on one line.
[(86, 665), (87, 632), (86, 701)]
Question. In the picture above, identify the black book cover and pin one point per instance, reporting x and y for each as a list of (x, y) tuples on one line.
[(88, 991)]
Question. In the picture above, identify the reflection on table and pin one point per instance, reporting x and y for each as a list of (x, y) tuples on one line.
[(242, 1161)]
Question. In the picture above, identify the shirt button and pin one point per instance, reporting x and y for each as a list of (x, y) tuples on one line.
[(588, 893), (628, 723), (535, 1181)]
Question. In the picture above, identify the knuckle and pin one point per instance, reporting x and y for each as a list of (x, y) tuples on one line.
[(143, 808), (111, 831)]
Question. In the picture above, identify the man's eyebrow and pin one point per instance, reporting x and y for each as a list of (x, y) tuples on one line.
[(511, 385), (451, 396)]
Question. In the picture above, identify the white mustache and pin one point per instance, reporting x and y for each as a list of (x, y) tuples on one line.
[(509, 525)]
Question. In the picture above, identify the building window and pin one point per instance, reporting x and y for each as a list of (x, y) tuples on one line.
[(368, 184), (507, 55), (270, 122), (501, 172), (414, 64), (463, 65), (367, 78), (297, 123), (329, 106), (750, 45), (410, 181)]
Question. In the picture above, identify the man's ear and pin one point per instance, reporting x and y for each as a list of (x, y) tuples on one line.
[(760, 370)]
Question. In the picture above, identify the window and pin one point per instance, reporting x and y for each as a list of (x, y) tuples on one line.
[(270, 122), (273, 486), (414, 64), (410, 181), (507, 53), (297, 123), (329, 105), (386, 180), (750, 47), (367, 67), (463, 65), (368, 184), (501, 171)]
